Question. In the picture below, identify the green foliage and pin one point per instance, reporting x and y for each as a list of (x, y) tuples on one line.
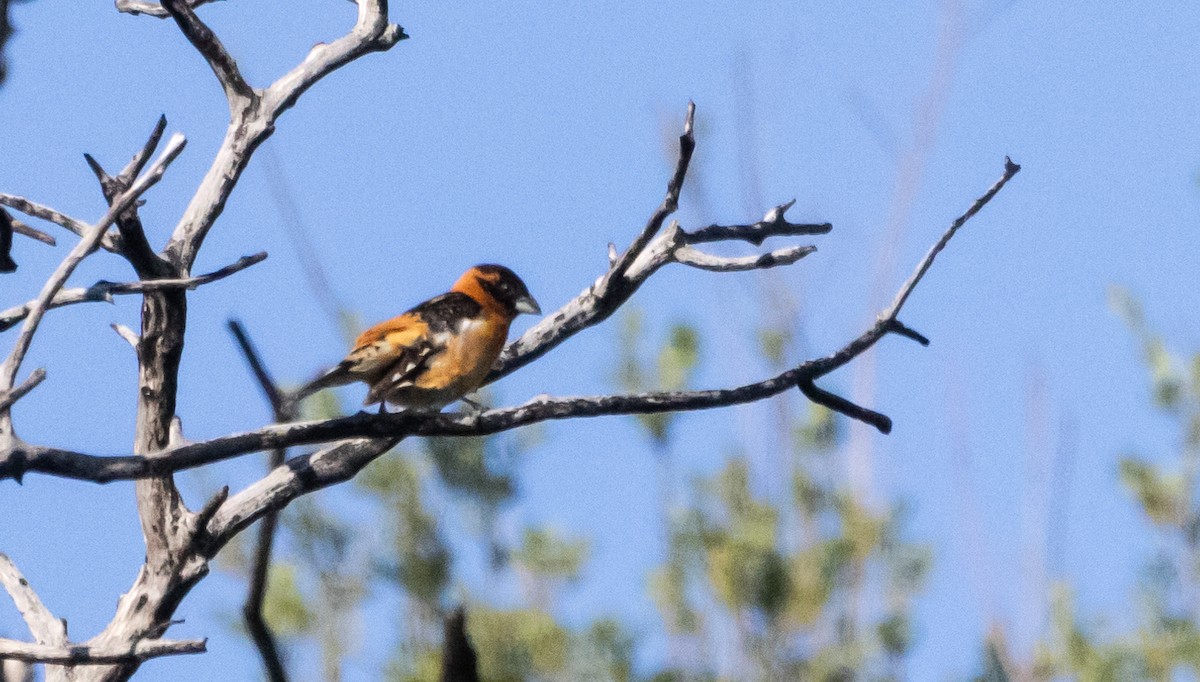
[(546, 554), (1162, 496), (603, 652), (517, 645), (733, 539), (672, 371), (420, 560), (283, 606)]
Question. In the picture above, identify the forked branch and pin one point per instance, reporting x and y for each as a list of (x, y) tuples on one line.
[(392, 427)]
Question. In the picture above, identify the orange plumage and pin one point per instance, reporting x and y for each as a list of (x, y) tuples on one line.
[(440, 350)]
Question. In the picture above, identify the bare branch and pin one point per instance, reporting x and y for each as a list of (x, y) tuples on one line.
[(135, 247), (596, 303), (237, 90), (44, 627), (254, 123), (839, 404), (109, 242), (371, 33), (705, 261), (1010, 169), (103, 291), (127, 334), (20, 458), (35, 377), (300, 476), (152, 8), (773, 224), (84, 655), (670, 203), (8, 371), (269, 388), (27, 231)]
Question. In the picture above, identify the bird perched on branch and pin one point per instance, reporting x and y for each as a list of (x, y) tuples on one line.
[(439, 351)]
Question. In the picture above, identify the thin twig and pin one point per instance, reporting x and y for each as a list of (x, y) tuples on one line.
[(33, 233), (35, 377), (103, 291), (109, 242), (135, 247), (773, 224), (8, 371), (670, 203), (237, 90), (21, 458), (687, 255), (80, 654), (44, 627)]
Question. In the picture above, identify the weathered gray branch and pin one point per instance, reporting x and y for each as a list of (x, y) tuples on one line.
[(8, 371), (687, 255), (35, 234), (22, 458), (35, 377), (110, 242), (80, 654), (103, 291), (253, 117), (177, 544), (653, 249), (134, 245), (48, 631), (152, 8), (237, 90), (45, 628)]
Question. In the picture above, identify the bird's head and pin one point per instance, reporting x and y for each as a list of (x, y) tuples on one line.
[(497, 286)]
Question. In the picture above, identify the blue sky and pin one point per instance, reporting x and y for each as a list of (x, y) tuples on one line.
[(533, 134)]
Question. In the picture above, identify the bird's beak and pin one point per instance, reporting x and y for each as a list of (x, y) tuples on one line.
[(526, 304)]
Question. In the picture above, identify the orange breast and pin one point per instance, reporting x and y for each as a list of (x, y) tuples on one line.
[(468, 357)]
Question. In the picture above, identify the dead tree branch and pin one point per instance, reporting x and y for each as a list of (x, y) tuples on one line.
[(177, 544), (254, 112), (8, 371), (134, 245), (109, 242), (24, 230), (75, 655), (103, 291), (153, 9), (35, 377), (24, 458), (237, 90), (47, 631)]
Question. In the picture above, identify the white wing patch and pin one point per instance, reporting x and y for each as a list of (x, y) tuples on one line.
[(469, 324)]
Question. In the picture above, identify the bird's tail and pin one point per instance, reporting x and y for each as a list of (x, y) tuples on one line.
[(338, 376)]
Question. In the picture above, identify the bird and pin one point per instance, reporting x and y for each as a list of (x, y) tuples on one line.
[(440, 350)]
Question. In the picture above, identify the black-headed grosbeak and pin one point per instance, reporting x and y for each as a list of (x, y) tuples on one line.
[(440, 350)]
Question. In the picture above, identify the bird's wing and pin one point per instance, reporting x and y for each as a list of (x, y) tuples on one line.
[(399, 351)]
